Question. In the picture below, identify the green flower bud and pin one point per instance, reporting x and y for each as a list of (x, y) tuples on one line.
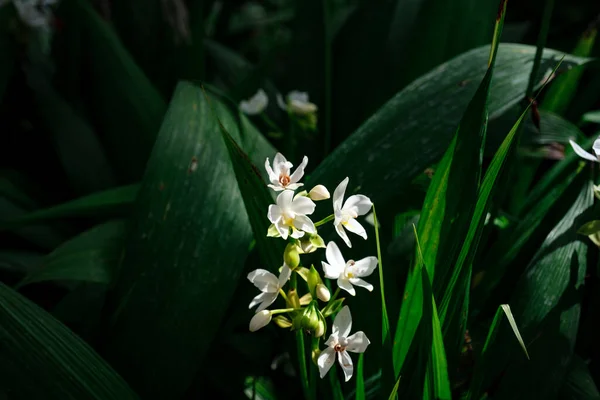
[(309, 243), (291, 256), (313, 279), (310, 319), (282, 322)]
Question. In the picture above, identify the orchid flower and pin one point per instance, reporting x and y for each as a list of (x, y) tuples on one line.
[(340, 343), (34, 13), (255, 104), (280, 176), (584, 154), (297, 103), (269, 285), (346, 214), (347, 273), (291, 213)]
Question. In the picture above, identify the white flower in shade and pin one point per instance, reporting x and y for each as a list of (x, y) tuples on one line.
[(34, 13), (346, 214), (280, 176), (340, 343), (319, 192), (269, 285), (255, 104), (347, 273), (260, 320), (291, 213), (297, 103), (584, 154)]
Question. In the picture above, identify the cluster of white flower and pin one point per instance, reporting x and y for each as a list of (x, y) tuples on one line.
[(33, 13), (296, 104), (290, 220)]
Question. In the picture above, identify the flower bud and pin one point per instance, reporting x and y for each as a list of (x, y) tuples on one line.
[(313, 279), (291, 256), (282, 322), (260, 320), (310, 319), (310, 243), (293, 300), (319, 192), (306, 299), (323, 293), (272, 231), (315, 353)]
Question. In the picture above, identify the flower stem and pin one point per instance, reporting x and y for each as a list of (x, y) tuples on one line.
[(283, 310), (282, 293), (335, 295), (270, 122), (325, 220), (302, 364), (385, 331), (313, 368)]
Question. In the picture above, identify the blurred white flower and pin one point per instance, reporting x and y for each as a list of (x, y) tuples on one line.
[(584, 154), (280, 176), (255, 104), (340, 343), (297, 103), (34, 13), (319, 192), (260, 320), (290, 212), (269, 285), (347, 273), (346, 214)]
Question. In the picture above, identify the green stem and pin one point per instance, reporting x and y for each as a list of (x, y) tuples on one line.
[(328, 68), (313, 369), (541, 43), (282, 293), (302, 363), (325, 220), (384, 316), (335, 295), (284, 310)]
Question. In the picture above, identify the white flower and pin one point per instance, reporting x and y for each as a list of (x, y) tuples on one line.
[(319, 192), (347, 273), (345, 216), (291, 212), (269, 285), (339, 342), (34, 13), (584, 154), (255, 104), (280, 176), (297, 103), (260, 320)]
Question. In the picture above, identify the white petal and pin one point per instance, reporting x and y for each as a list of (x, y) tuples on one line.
[(358, 342), (284, 275), (280, 102), (342, 324), (345, 284), (325, 361), (272, 175), (302, 205), (358, 203), (296, 95), (338, 194), (332, 271), (342, 233), (332, 341), (264, 280), (277, 187), (334, 256), (364, 267), (359, 282), (284, 200), (274, 213), (256, 104), (283, 229), (265, 300), (281, 165), (296, 233), (355, 227), (581, 152), (260, 320), (299, 172), (305, 224), (294, 186), (596, 148), (346, 364)]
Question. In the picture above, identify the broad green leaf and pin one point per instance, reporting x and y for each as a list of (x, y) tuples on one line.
[(95, 71), (43, 359), (91, 256), (408, 133), (112, 201), (579, 382), (186, 250), (546, 301), (504, 309)]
